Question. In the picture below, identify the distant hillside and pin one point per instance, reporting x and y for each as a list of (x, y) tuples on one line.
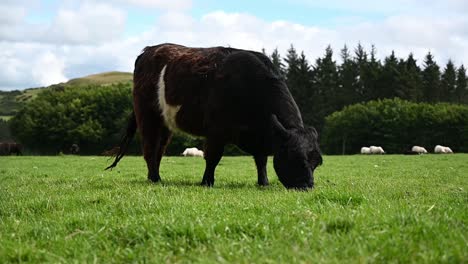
[(11, 101), (102, 78)]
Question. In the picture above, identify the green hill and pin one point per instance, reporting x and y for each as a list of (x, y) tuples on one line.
[(102, 78), (11, 101)]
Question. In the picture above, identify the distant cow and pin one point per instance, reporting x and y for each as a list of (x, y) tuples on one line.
[(365, 150), (376, 150), (419, 150), (74, 149), (442, 150), (8, 148), (225, 95), (192, 152)]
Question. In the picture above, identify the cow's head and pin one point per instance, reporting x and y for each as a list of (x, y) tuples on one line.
[(296, 155)]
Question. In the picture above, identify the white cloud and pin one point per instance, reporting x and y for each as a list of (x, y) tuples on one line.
[(48, 69), (88, 38), (29, 65), (89, 24), (86, 24), (416, 7), (176, 21), (404, 34), (11, 15), (162, 4)]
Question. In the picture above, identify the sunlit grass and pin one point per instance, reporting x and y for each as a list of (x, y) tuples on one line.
[(364, 209)]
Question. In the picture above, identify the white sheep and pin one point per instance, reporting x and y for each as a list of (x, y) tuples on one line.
[(419, 150), (448, 150), (442, 150), (365, 150), (192, 152), (376, 150)]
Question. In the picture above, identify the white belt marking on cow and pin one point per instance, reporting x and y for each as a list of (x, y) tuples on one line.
[(169, 112)]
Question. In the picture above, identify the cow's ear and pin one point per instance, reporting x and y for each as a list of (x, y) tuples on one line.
[(278, 127)]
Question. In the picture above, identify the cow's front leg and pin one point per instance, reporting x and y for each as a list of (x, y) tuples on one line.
[(260, 162), (213, 152)]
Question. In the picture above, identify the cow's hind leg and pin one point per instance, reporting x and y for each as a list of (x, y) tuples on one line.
[(155, 137), (260, 162), (161, 147), (213, 152)]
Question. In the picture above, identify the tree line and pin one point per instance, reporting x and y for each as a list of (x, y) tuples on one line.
[(326, 86), (397, 125), (94, 116)]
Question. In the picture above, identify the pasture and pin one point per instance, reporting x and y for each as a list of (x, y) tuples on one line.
[(387, 208)]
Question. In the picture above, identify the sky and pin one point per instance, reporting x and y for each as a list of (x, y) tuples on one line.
[(43, 42)]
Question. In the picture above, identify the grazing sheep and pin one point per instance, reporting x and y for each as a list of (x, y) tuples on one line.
[(376, 150), (192, 152), (419, 150), (442, 150), (365, 150)]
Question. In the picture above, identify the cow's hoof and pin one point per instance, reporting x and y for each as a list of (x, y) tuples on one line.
[(207, 184), (154, 179), (263, 184)]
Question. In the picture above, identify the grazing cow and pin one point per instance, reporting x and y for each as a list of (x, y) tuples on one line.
[(8, 148), (376, 150), (192, 152), (419, 150), (225, 95), (442, 150), (365, 150), (74, 149)]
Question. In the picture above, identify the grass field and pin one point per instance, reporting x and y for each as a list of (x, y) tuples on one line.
[(382, 209)]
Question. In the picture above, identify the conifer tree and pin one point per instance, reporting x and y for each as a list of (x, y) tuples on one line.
[(276, 60), (461, 90), (307, 99), (363, 88), (389, 78), (448, 83), (371, 75), (292, 61), (411, 88), (431, 79), (348, 80), (325, 81), (298, 80)]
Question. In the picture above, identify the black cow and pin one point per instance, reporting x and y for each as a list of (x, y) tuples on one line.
[(225, 95), (8, 148), (74, 149)]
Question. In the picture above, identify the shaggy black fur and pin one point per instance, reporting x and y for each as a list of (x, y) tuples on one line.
[(225, 95)]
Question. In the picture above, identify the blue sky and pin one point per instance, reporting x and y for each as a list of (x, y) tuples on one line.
[(45, 41)]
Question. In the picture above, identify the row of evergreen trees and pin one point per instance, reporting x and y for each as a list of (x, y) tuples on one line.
[(326, 86)]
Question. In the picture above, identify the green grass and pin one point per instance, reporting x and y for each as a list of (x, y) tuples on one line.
[(382, 209)]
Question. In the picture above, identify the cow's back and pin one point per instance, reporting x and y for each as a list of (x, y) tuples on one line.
[(213, 90)]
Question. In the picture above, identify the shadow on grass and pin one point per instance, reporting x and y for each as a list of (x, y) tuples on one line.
[(193, 183)]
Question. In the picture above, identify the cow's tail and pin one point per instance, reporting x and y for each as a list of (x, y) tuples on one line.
[(125, 141)]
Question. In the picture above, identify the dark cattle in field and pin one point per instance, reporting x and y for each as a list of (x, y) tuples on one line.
[(74, 149), (8, 148), (225, 95)]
